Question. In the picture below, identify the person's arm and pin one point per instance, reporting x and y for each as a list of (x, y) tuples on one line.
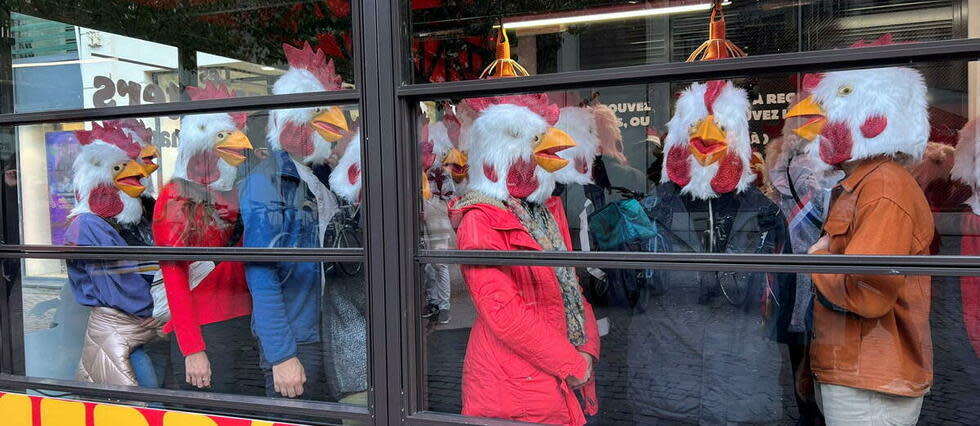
[(501, 307), (881, 227), (168, 225), (262, 216), (115, 284)]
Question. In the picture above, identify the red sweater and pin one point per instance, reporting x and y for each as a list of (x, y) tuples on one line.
[(221, 296)]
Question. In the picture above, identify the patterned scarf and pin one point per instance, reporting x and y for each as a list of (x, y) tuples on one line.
[(542, 226)]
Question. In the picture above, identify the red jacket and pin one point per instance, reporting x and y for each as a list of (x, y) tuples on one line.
[(518, 355), (221, 296)]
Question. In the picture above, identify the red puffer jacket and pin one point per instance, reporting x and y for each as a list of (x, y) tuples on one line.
[(518, 355)]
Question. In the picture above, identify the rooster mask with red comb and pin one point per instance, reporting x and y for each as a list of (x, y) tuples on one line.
[(108, 174), (513, 147), (149, 154), (307, 134), (858, 114), (708, 148), (212, 146)]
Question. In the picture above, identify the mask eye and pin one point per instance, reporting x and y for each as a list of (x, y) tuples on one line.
[(722, 128), (117, 168), (844, 90), (222, 135), (692, 128)]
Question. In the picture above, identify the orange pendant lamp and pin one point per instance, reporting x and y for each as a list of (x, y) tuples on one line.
[(503, 66), (717, 46)]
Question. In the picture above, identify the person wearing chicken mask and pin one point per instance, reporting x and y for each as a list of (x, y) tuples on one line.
[(286, 203), (210, 307), (107, 181), (871, 353), (535, 337), (705, 345)]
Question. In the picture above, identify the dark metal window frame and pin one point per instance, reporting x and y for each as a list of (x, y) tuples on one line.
[(391, 253)]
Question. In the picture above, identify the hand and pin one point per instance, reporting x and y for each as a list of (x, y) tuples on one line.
[(822, 244), (151, 322), (198, 369), (576, 382), (289, 377)]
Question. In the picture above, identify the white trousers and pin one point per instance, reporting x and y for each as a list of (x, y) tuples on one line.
[(846, 406)]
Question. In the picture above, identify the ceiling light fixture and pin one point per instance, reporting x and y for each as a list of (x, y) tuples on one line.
[(607, 16)]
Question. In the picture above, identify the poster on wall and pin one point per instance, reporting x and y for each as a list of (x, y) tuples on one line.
[(61, 148)]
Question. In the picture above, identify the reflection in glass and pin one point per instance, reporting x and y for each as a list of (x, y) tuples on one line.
[(139, 52), (749, 356), (456, 43), (72, 322)]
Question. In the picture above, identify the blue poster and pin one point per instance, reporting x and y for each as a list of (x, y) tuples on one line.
[(61, 149)]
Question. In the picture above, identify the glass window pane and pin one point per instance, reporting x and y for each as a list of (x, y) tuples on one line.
[(689, 346), (751, 165), (140, 52), (459, 42), (244, 328), (280, 178)]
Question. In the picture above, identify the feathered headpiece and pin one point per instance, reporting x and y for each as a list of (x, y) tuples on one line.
[(313, 60), (136, 126), (217, 91), (538, 103), (110, 134)]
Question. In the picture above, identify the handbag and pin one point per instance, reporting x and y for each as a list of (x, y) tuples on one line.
[(620, 222)]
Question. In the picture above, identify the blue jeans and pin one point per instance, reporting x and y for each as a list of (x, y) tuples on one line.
[(143, 368)]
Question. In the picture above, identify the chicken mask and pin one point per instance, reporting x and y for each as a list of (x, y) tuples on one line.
[(513, 148), (345, 178), (108, 174), (212, 146), (307, 134), (707, 144), (858, 114), (595, 130), (143, 136)]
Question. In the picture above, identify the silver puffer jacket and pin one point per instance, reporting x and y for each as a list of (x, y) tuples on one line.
[(110, 338)]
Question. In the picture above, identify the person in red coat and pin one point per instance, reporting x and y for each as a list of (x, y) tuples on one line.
[(210, 305), (535, 338)]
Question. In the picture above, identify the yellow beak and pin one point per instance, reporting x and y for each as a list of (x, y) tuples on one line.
[(545, 153), (128, 179), (458, 163), (232, 148), (812, 128), (330, 124), (426, 190), (149, 154), (708, 143)]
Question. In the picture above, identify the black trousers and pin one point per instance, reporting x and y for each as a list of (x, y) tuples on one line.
[(234, 358)]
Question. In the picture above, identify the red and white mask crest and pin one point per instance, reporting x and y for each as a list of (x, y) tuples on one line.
[(212, 146), (708, 151), (308, 134), (856, 114), (513, 150), (108, 175)]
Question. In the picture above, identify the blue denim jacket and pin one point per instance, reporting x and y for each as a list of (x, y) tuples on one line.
[(278, 210)]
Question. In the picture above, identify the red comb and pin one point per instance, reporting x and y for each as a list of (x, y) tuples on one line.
[(217, 91), (453, 127), (810, 81), (135, 125), (110, 134), (538, 103), (712, 93), (314, 61)]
